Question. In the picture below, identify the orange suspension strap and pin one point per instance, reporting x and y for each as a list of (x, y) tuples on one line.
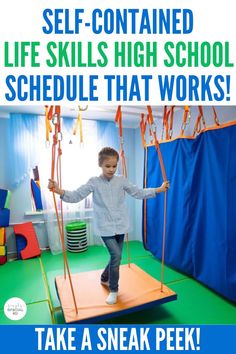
[(167, 125), (78, 124), (143, 126), (153, 131), (48, 117), (216, 120), (186, 117), (171, 110), (164, 121), (118, 120), (56, 164), (200, 119), (163, 172)]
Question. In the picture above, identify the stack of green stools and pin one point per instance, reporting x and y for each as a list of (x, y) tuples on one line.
[(76, 236)]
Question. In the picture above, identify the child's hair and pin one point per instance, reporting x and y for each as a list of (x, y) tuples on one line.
[(105, 153)]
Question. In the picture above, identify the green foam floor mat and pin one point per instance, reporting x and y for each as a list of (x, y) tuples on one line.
[(37, 313), (59, 317), (136, 250), (94, 255), (153, 267), (195, 304), (198, 304), (23, 279)]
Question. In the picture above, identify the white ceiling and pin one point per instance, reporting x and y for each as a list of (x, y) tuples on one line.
[(130, 114)]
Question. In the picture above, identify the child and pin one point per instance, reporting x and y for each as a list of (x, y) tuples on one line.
[(111, 220)]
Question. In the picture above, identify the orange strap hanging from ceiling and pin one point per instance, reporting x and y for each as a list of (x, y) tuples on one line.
[(185, 119), (215, 117), (201, 119), (54, 115), (152, 131), (156, 143), (143, 125), (164, 121), (118, 120), (78, 123), (167, 122), (171, 110), (48, 118)]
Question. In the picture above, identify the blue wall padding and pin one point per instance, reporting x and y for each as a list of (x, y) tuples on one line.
[(37, 195), (201, 205), (3, 197), (4, 217)]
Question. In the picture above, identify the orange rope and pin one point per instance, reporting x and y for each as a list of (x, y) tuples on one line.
[(56, 162), (157, 146), (145, 201), (163, 241), (167, 125), (61, 221), (118, 120), (163, 172), (164, 208)]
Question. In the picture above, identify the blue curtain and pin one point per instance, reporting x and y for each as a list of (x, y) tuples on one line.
[(201, 228), (178, 167)]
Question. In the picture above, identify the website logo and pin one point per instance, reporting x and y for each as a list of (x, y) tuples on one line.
[(15, 308)]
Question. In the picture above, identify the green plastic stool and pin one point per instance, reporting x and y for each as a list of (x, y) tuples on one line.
[(76, 233), (76, 225)]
